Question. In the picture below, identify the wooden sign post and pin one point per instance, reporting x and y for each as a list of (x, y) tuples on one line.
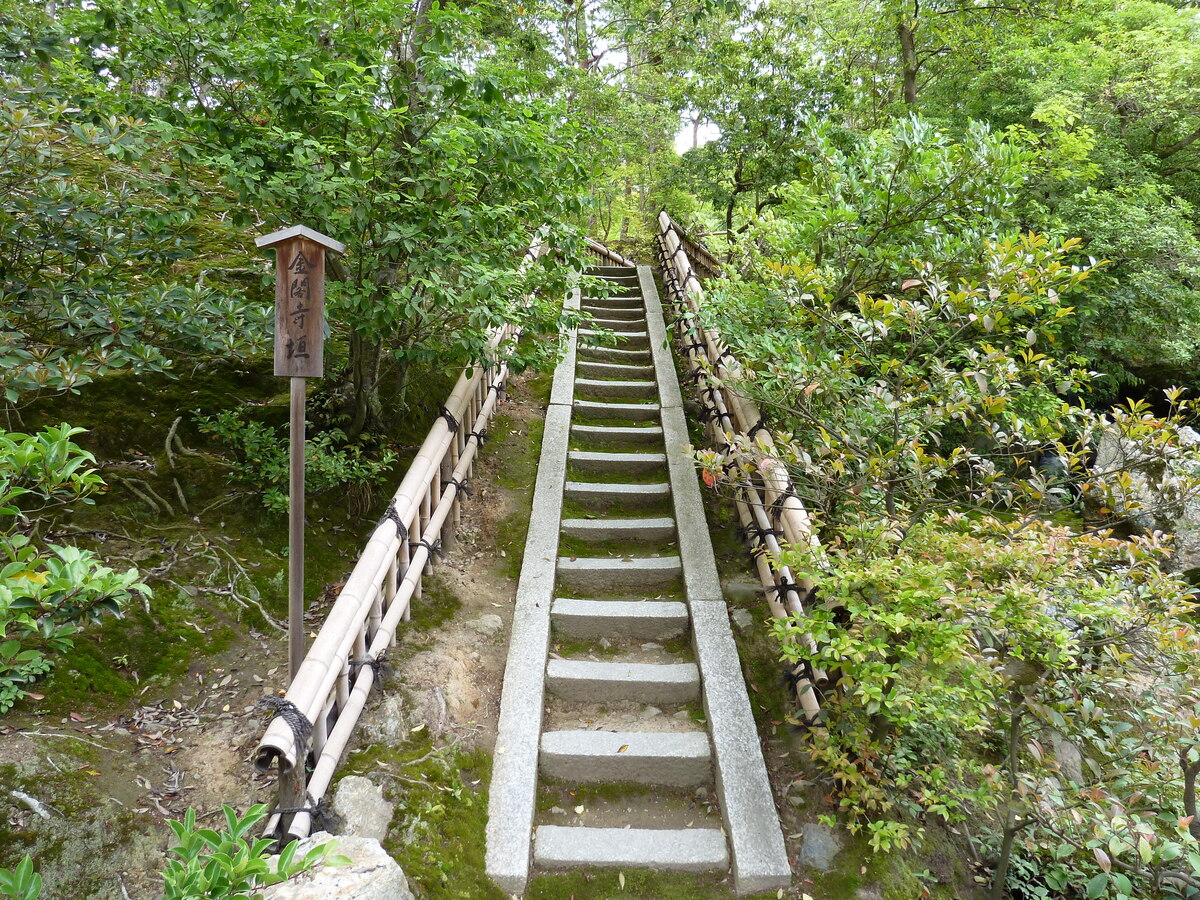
[(299, 354)]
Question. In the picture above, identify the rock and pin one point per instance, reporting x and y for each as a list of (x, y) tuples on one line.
[(650, 712), (743, 620), (1070, 760), (868, 893), (371, 875), (818, 846), (360, 806), (736, 590), (1157, 497), (489, 625), (557, 811), (390, 721)]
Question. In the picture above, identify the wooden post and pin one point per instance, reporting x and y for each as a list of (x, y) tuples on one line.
[(299, 354)]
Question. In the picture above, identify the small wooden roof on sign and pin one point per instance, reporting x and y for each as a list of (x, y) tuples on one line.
[(278, 237)]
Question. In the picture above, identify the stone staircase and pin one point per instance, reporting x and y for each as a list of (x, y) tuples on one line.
[(623, 688)]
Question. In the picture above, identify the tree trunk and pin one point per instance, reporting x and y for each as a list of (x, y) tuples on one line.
[(1011, 826), (906, 31), (364, 386)]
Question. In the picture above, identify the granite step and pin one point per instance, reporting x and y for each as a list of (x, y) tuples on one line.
[(617, 412), (630, 573), (679, 759), (666, 849), (646, 620), (605, 682), (597, 462)]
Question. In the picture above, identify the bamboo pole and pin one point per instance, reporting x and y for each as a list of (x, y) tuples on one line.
[(706, 351), (339, 736), (385, 579)]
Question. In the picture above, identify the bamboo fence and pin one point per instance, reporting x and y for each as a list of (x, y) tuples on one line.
[(608, 256), (770, 513), (316, 718)]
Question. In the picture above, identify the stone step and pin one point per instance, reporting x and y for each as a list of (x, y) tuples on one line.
[(617, 412), (612, 354), (592, 461), (610, 271), (618, 325), (602, 389), (609, 528), (615, 371), (679, 759), (625, 339), (667, 849), (646, 620), (602, 573), (617, 313), (618, 434), (631, 299), (631, 495), (609, 682)]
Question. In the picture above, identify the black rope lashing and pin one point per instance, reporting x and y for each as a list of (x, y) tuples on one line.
[(494, 386), (698, 346), (451, 422), (782, 588), (777, 505), (460, 485), (375, 663), (434, 548), (480, 436), (392, 515), (292, 716), (756, 428)]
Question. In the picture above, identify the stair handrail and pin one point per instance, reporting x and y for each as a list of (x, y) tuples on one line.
[(607, 255), (318, 714), (697, 251), (771, 498)]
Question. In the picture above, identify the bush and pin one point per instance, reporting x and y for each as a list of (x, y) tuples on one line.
[(262, 458), (219, 865), (46, 596)]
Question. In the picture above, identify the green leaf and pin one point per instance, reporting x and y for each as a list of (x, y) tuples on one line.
[(1097, 886)]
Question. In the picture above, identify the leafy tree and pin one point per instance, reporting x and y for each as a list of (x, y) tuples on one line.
[(406, 133), (89, 278)]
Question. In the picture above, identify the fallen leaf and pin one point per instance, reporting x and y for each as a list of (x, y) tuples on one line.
[(623, 748), (35, 696), (76, 717), (579, 810), (621, 879)]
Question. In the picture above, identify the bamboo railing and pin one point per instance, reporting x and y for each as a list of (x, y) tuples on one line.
[(316, 718), (770, 513), (608, 256)]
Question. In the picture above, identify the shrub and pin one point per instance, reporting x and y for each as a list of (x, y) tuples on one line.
[(262, 458)]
